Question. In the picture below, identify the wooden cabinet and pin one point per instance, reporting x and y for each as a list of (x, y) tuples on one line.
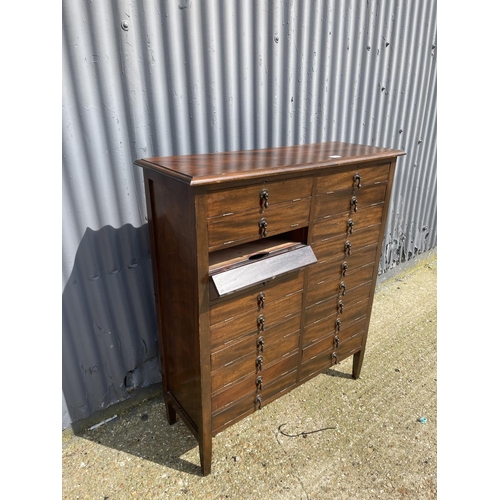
[(264, 265)]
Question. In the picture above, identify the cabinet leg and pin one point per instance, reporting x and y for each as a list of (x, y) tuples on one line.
[(357, 361), (171, 415), (206, 456)]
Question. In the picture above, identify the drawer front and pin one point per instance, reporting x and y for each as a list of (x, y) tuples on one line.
[(345, 180), (327, 326), (337, 203), (249, 403), (322, 290), (259, 344), (348, 347), (274, 313), (232, 201), (332, 226), (318, 364), (233, 229), (335, 253), (330, 356), (250, 364), (325, 345), (328, 283), (352, 312), (342, 266), (336, 324), (254, 383), (319, 329), (360, 276), (256, 299), (330, 306)]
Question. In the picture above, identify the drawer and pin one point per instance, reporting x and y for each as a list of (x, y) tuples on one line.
[(318, 364), (248, 365), (252, 344), (342, 201), (331, 226), (335, 253), (250, 322), (319, 329), (236, 200), (336, 323), (254, 383), (249, 403), (348, 347), (256, 299), (330, 356), (259, 268), (313, 334), (236, 228), (322, 290), (342, 266), (358, 277), (330, 306), (345, 180), (351, 312), (324, 345)]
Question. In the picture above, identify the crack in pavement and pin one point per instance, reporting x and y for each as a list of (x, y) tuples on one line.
[(291, 464)]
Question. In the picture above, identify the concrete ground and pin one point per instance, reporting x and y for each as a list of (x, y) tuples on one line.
[(372, 443)]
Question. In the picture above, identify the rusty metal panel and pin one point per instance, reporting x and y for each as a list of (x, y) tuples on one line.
[(190, 76)]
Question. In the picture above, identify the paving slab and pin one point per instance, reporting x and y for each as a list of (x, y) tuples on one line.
[(331, 438)]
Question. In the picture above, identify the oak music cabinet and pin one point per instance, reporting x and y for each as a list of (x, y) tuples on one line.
[(265, 264)]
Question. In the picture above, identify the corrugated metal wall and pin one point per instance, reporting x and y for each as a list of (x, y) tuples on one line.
[(147, 78)]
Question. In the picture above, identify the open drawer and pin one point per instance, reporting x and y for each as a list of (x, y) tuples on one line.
[(238, 268)]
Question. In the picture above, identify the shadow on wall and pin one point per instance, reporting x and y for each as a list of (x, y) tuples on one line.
[(109, 341)]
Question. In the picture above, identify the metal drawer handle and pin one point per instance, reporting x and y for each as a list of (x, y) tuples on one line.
[(347, 247), (260, 344), (336, 341), (258, 363), (264, 198), (344, 269), (338, 324), (357, 180), (350, 226), (334, 358), (261, 323), (342, 288), (258, 383), (258, 401), (354, 203), (261, 299), (263, 227), (340, 307)]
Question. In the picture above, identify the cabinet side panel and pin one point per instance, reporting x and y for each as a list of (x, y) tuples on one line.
[(149, 188), (358, 357), (176, 266)]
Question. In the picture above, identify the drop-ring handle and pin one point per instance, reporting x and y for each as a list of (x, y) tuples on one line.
[(264, 198), (258, 363), (260, 344), (263, 227), (354, 203), (357, 180), (261, 300)]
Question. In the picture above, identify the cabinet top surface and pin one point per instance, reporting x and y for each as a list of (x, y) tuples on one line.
[(212, 168)]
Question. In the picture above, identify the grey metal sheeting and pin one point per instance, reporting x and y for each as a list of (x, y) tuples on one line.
[(143, 79)]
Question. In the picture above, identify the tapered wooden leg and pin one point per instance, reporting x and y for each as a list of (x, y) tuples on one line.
[(206, 455), (357, 361), (171, 415)]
